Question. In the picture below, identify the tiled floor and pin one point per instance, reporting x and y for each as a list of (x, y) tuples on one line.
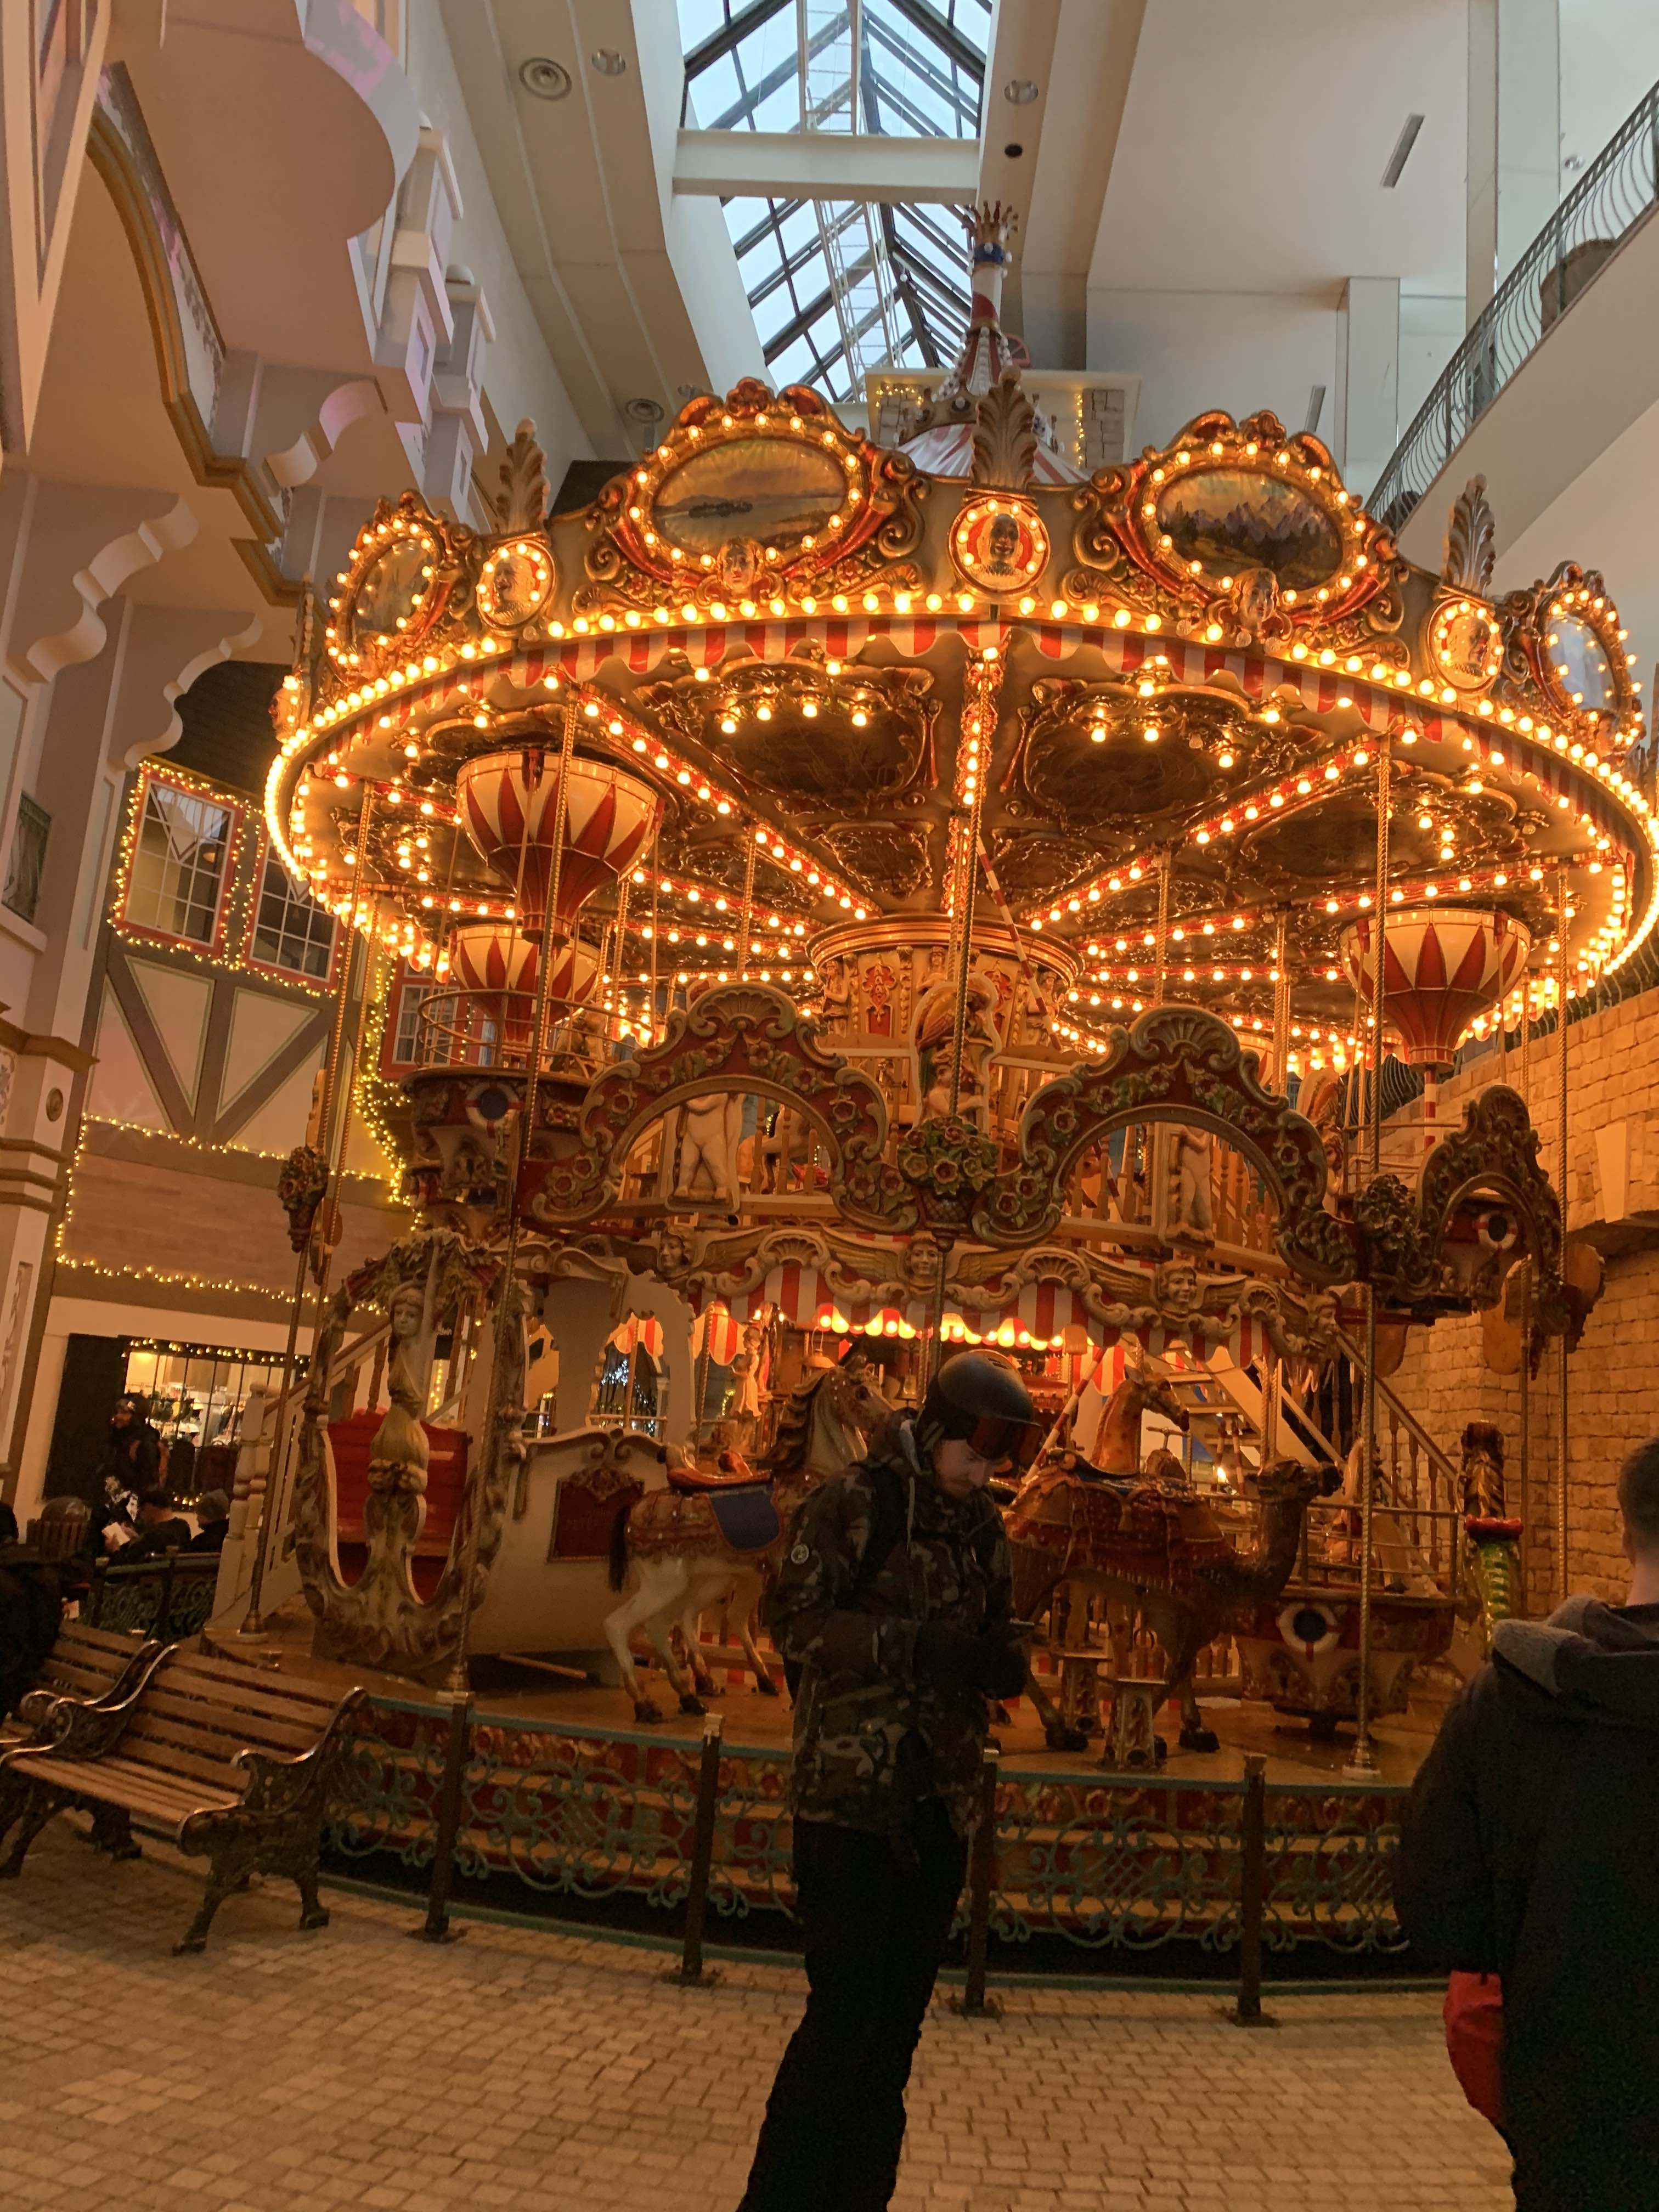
[(524, 2068)]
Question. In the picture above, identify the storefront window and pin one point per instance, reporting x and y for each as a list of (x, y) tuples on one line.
[(195, 1395)]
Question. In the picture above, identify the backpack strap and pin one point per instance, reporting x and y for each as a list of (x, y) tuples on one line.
[(886, 1526)]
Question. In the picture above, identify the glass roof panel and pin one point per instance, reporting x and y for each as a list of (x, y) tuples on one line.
[(837, 288)]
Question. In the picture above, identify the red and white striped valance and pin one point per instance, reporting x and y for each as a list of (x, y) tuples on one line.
[(717, 1334), (640, 1333), (1046, 1315)]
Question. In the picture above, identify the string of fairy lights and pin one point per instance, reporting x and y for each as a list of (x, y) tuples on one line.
[(415, 687)]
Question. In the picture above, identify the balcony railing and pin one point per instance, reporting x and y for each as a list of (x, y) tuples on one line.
[(1617, 191)]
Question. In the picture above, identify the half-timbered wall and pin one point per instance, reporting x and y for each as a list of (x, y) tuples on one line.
[(210, 1017)]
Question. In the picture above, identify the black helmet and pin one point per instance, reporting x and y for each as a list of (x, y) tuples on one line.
[(981, 1399)]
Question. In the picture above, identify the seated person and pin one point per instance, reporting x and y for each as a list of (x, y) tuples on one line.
[(213, 1514), (31, 1607), (156, 1528)]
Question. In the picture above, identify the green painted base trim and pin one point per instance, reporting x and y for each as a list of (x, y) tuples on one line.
[(737, 1954)]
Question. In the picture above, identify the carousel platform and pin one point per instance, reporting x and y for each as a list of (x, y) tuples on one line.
[(572, 1813), (528, 1691)]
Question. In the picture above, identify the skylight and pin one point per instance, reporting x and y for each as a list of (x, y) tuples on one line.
[(837, 286)]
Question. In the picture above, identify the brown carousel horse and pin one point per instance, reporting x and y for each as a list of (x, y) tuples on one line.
[(710, 1537)]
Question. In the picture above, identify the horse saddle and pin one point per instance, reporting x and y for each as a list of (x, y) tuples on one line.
[(730, 1472)]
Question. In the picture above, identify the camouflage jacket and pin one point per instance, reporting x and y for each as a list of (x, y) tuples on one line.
[(870, 1741)]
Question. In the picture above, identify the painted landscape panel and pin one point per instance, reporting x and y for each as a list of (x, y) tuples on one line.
[(1230, 520), (770, 489)]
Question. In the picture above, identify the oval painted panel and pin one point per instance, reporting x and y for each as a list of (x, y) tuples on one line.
[(391, 590), (1230, 520), (774, 491), (1580, 662)]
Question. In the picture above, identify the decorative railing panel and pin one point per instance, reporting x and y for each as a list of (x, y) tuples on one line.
[(1112, 1865), (169, 1597)]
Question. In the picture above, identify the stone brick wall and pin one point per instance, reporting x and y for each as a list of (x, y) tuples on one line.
[(1613, 1379)]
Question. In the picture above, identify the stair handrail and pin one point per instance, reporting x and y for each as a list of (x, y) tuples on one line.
[(1408, 1418), (1621, 188)]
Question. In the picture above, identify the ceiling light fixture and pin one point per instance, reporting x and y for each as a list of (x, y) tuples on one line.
[(1021, 91), (546, 79), (1403, 151), (610, 62)]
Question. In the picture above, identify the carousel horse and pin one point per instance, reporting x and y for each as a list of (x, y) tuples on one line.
[(1160, 1549), (720, 1534)]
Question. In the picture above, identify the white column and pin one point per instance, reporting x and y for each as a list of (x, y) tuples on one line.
[(1367, 379), (1514, 169)]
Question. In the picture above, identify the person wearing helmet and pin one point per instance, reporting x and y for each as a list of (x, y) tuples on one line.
[(895, 1601)]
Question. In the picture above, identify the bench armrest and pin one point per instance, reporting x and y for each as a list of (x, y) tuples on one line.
[(88, 1727), (280, 1782)]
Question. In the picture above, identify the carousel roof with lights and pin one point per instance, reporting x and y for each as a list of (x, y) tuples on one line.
[(1149, 705)]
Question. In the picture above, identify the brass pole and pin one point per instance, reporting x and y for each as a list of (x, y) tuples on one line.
[(1562, 1579), (458, 1686), (1523, 1474), (1161, 950), (619, 956), (1281, 1008), (657, 1023), (1362, 1764), (746, 935), (969, 886), (252, 1622)]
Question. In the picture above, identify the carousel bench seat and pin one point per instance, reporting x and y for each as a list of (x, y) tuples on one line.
[(351, 1442), (224, 1762)]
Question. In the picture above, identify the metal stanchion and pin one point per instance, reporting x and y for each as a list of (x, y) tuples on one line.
[(1252, 1882), (437, 1927), (691, 1974), (982, 1874)]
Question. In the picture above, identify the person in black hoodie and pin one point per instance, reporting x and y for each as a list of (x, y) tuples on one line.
[(1528, 1850), (31, 1609)]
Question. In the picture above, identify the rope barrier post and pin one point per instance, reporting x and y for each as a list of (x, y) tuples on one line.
[(1252, 1885), (437, 1928), (691, 1974), (982, 1876)]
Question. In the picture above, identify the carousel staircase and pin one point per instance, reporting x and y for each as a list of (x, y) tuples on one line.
[(1227, 1418), (266, 1464)]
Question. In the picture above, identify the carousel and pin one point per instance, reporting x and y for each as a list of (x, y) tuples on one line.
[(865, 902)]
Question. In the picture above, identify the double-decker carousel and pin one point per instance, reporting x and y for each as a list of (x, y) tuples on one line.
[(862, 911)]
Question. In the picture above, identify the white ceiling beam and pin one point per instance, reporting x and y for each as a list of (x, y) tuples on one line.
[(1080, 55), (825, 165)]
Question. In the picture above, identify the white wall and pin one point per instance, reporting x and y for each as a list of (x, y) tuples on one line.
[(520, 378), (1194, 350), (1431, 332), (1609, 57)]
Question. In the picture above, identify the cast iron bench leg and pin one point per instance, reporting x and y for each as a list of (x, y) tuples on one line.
[(40, 1803)]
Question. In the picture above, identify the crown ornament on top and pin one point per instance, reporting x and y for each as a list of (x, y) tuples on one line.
[(990, 227)]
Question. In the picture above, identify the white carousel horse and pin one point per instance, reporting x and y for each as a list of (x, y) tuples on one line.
[(670, 1548)]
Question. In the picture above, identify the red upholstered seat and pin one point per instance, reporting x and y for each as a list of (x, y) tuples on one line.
[(350, 1441)]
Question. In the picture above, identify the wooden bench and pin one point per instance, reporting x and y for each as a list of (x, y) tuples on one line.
[(226, 1762), (85, 1662)]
